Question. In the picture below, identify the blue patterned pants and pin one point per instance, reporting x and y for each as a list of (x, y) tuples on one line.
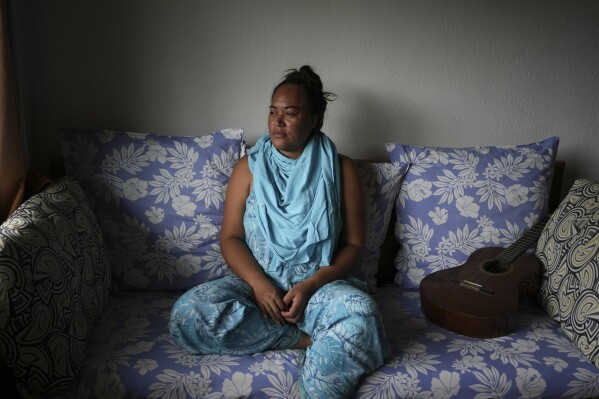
[(348, 339)]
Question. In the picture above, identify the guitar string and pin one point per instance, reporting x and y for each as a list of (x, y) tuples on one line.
[(507, 255)]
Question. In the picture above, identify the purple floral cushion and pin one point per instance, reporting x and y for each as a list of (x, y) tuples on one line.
[(380, 183), (455, 200), (159, 201)]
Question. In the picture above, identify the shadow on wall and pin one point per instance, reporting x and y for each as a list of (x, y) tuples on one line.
[(369, 121)]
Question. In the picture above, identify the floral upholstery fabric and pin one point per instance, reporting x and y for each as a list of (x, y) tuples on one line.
[(54, 281), (569, 251), (131, 355), (534, 361), (455, 200), (380, 182), (159, 201)]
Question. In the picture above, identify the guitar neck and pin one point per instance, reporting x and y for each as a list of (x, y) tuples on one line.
[(523, 243)]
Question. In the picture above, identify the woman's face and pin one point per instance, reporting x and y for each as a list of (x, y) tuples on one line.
[(290, 120)]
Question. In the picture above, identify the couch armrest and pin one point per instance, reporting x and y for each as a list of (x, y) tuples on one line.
[(54, 280)]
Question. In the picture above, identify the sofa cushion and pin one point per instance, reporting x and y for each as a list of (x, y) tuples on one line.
[(54, 281), (158, 199), (427, 361), (569, 251), (381, 183), (455, 200), (131, 355)]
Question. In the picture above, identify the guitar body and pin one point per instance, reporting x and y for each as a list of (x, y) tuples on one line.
[(479, 298)]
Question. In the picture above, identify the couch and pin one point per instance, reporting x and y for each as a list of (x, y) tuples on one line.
[(91, 266)]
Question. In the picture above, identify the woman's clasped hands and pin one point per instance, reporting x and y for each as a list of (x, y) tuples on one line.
[(282, 308)]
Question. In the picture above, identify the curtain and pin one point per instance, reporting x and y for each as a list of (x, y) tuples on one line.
[(13, 164)]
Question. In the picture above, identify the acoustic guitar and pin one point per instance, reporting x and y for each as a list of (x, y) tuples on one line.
[(480, 298)]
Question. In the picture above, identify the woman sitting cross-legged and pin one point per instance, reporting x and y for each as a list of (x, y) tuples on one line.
[(293, 230)]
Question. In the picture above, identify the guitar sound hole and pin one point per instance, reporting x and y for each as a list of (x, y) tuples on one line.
[(494, 266)]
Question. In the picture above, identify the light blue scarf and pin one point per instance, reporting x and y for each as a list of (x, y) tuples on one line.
[(298, 200)]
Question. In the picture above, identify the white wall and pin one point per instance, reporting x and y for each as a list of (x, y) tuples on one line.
[(443, 73)]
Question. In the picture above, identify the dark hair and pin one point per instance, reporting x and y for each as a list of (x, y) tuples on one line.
[(312, 85)]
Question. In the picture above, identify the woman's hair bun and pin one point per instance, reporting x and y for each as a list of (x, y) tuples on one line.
[(312, 85)]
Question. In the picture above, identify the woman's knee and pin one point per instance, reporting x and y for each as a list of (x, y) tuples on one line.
[(342, 305), (355, 302), (199, 317)]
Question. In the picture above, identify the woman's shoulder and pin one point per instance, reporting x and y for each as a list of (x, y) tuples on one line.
[(241, 171), (346, 162), (348, 169), (243, 164), (244, 160)]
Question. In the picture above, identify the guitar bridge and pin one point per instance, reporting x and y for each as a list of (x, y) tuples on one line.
[(472, 286)]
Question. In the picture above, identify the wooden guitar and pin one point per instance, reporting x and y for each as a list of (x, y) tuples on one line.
[(480, 298)]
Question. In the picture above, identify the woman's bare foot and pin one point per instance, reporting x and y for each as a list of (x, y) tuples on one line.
[(303, 342)]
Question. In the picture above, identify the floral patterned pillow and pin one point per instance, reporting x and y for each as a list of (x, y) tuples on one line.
[(159, 201), (456, 200), (569, 251), (381, 183), (54, 283)]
